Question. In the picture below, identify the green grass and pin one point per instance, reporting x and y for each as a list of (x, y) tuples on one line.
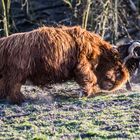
[(113, 116)]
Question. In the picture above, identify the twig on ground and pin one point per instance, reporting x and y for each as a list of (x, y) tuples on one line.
[(17, 115)]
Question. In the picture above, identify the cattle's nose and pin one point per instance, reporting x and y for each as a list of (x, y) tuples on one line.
[(106, 86)]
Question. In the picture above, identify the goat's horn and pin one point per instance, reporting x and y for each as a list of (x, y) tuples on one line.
[(133, 46), (131, 52)]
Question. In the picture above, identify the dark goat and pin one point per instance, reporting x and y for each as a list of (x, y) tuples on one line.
[(130, 54)]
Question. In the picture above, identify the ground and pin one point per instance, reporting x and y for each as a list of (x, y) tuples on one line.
[(47, 117)]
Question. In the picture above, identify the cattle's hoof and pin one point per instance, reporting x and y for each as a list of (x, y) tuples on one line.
[(2, 96), (91, 95), (82, 94), (128, 86), (18, 99)]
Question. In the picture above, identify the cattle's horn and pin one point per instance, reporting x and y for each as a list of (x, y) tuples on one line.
[(131, 52)]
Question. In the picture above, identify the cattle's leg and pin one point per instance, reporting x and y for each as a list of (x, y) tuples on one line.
[(2, 89), (14, 94), (86, 78), (13, 86)]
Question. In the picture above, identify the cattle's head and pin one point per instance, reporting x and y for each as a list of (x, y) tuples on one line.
[(112, 74)]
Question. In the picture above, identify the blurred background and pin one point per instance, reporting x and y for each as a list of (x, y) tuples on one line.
[(117, 21)]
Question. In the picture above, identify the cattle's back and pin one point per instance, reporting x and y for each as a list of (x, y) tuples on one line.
[(49, 54), (55, 56)]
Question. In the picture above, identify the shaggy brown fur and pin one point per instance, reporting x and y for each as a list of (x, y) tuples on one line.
[(49, 55)]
